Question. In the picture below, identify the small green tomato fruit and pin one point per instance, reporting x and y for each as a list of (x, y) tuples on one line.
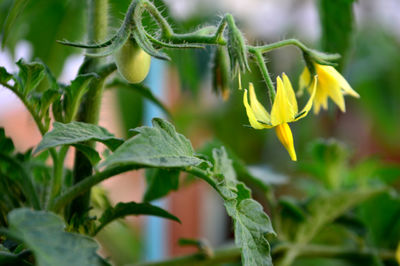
[(132, 62)]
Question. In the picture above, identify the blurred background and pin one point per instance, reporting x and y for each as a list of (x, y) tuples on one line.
[(367, 33)]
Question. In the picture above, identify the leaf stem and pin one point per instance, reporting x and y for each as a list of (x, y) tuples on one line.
[(203, 174), (84, 185)]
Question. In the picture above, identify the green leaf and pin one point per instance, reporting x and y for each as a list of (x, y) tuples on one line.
[(157, 146), (324, 209), (243, 173), (329, 162), (29, 75), (384, 228), (16, 179), (89, 152), (6, 144), (132, 208), (74, 94), (43, 233), (16, 9), (76, 132), (27, 88), (223, 166), (4, 75), (160, 182), (142, 90), (251, 224), (11, 259)]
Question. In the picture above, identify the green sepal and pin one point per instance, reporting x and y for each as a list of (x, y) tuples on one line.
[(236, 47)]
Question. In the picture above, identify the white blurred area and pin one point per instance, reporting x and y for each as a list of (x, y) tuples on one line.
[(8, 101)]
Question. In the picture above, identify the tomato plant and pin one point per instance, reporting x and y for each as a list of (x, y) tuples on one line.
[(52, 213)]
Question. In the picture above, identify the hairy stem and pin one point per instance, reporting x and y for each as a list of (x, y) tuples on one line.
[(264, 72), (269, 47)]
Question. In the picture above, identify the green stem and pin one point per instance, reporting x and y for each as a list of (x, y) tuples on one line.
[(168, 34), (166, 29), (84, 185), (90, 108)]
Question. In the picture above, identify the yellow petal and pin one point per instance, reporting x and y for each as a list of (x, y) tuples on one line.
[(282, 110), (341, 81), (321, 96), (398, 253), (259, 111), (309, 103), (290, 93), (304, 81), (336, 94), (252, 118), (285, 136)]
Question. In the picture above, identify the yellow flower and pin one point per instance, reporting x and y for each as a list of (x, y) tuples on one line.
[(398, 253), (284, 110), (330, 84)]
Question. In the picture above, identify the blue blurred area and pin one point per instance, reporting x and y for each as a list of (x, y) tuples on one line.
[(155, 228)]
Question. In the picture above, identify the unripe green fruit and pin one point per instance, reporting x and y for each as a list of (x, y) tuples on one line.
[(132, 62)]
